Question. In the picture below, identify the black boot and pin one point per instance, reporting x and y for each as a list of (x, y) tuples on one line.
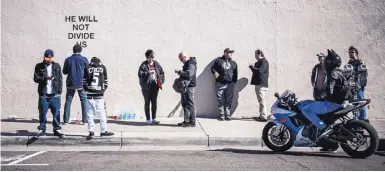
[(91, 135)]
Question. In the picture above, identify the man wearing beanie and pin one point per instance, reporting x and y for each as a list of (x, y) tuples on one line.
[(49, 77), (74, 67)]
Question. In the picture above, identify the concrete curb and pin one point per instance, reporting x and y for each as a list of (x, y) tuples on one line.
[(131, 141)]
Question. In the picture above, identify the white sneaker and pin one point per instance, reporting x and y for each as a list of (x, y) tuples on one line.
[(149, 122)]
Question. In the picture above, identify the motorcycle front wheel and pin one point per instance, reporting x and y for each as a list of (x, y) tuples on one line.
[(364, 135), (280, 143)]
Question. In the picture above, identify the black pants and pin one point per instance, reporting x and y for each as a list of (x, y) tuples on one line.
[(150, 95), (188, 104)]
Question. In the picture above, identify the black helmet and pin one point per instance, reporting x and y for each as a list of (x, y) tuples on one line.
[(332, 60)]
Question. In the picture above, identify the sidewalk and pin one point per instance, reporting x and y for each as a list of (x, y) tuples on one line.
[(129, 134)]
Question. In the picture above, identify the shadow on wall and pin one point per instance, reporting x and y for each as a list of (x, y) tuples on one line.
[(205, 95)]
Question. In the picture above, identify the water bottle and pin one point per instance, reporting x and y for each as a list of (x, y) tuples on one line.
[(134, 116), (121, 114), (129, 115), (12, 117), (124, 115)]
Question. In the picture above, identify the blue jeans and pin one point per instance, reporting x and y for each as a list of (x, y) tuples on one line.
[(362, 112), (312, 110), (67, 107), (54, 104)]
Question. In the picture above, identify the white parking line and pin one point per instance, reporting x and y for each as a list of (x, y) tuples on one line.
[(22, 164), (25, 158)]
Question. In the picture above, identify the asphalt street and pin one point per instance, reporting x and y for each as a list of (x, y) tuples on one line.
[(201, 160)]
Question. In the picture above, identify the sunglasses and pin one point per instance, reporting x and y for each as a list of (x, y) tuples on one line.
[(351, 52)]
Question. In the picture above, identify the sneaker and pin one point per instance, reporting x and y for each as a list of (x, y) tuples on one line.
[(107, 133), (192, 125), (155, 121), (58, 133), (91, 135), (184, 124), (148, 122), (367, 120), (221, 118), (228, 118), (261, 119), (40, 133)]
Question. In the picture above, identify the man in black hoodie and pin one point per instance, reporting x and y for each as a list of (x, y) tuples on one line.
[(226, 73), (188, 73), (95, 84)]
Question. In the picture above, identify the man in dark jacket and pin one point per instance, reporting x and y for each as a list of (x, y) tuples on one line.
[(361, 76), (188, 73), (318, 77), (226, 73), (75, 66), (49, 77), (260, 79), (151, 77), (95, 83)]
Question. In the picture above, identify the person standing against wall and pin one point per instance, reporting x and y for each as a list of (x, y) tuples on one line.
[(361, 77), (49, 77), (225, 70), (260, 79), (151, 77), (74, 67), (318, 77), (188, 80), (95, 83)]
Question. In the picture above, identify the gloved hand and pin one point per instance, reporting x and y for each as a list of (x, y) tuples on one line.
[(216, 74)]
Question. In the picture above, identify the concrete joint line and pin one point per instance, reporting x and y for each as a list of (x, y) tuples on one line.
[(208, 136)]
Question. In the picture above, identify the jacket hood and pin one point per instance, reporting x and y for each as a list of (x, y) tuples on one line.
[(95, 62), (192, 60)]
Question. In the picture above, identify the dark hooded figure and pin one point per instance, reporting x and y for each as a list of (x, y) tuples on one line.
[(331, 99), (95, 83)]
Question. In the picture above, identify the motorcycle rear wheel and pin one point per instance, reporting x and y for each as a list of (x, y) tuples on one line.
[(269, 138), (356, 127)]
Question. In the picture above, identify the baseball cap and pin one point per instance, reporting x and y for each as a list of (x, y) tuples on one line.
[(48, 52), (228, 50)]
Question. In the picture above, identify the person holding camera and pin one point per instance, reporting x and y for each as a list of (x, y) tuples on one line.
[(49, 77), (151, 77)]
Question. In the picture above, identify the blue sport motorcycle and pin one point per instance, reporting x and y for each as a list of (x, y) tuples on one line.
[(289, 127)]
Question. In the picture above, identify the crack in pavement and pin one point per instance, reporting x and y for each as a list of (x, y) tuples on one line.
[(283, 159)]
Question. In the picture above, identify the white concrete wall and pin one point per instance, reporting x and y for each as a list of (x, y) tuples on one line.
[(290, 32)]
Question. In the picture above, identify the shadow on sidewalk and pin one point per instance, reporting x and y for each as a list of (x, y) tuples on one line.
[(267, 152), (31, 138), (206, 102), (23, 121), (135, 123), (380, 153)]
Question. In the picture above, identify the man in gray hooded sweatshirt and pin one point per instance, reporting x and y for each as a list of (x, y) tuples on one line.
[(188, 73)]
